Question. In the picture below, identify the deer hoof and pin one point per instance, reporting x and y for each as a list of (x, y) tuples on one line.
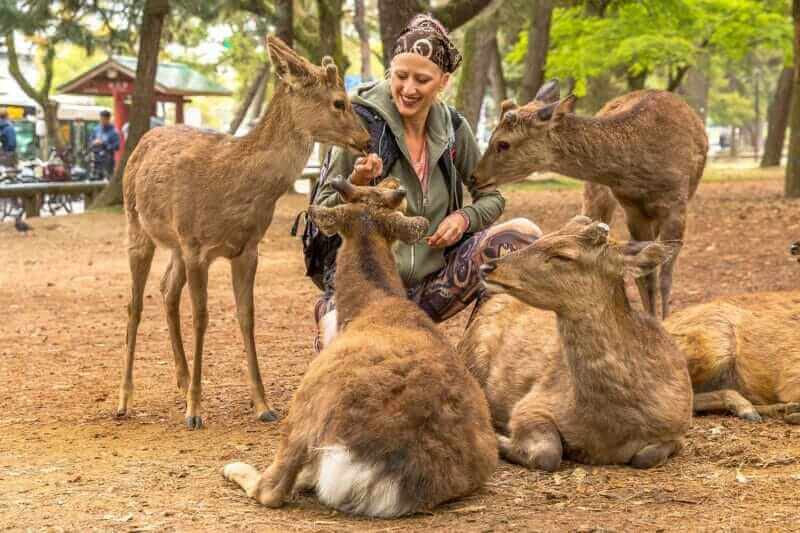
[(752, 416), (194, 422), (268, 416), (121, 413)]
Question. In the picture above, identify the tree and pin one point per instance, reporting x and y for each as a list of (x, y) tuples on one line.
[(474, 76), (793, 166), (330, 32), (144, 97), (778, 119), (538, 45), (360, 24)]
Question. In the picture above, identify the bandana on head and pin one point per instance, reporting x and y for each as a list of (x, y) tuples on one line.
[(425, 36)]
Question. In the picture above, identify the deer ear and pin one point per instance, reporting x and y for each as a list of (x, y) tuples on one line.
[(347, 190), (328, 219), (549, 93), (287, 64), (406, 229), (567, 105), (642, 258)]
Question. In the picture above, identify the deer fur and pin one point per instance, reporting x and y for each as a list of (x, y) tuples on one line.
[(387, 420), (205, 195), (646, 149), (611, 387)]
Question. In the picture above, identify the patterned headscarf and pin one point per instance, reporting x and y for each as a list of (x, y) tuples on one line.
[(426, 36)]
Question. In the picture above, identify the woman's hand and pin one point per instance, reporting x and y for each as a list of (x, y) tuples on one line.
[(365, 169), (449, 231)]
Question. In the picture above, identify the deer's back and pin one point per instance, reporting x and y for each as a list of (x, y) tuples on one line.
[(750, 343)]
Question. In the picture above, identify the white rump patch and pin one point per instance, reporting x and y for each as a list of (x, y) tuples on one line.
[(357, 488)]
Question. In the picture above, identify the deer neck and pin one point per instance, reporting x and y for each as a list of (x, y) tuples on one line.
[(278, 137), (591, 149), (597, 343), (365, 273)]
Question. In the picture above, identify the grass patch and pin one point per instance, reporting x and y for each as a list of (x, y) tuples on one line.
[(553, 183), (112, 209), (715, 174)]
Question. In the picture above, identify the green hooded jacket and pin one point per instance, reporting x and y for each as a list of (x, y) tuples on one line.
[(417, 261)]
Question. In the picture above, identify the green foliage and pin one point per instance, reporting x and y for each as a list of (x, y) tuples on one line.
[(731, 108)]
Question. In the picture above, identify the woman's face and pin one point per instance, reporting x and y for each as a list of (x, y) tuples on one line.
[(416, 81)]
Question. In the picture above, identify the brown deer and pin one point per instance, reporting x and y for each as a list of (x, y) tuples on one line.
[(795, 249), (387, 420), (743, 354), (613, 388), (206, 195), (648, 148)]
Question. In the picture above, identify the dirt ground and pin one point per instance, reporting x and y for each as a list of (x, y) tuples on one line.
[(67, 464)]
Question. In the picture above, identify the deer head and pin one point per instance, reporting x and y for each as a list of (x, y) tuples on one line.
[(575, 268), (376, 209), (320, 103), (522, 142)]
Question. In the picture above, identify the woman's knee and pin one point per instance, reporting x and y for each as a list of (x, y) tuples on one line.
[(524, 226)]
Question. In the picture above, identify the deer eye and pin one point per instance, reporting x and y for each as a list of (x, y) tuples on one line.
[(339, 104), (502, 146)]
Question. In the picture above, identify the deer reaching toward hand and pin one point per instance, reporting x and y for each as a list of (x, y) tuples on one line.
[(611, 387), (205, 195), (647, 148), (387, 420)]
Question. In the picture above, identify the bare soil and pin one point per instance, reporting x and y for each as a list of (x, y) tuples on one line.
[(67, 464)]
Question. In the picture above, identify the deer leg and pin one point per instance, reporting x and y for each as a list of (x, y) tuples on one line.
[(642, 229), (171, 287), (672, 230), (140, 257), (655, 454), (726, 400), (536, 445), (789, 412), (197, 275), (598, 202), (243, 270)]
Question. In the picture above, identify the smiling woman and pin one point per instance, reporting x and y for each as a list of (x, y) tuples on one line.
[(430, 149)]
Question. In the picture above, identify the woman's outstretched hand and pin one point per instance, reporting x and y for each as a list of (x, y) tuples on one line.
[(449, 231), (365, 169)]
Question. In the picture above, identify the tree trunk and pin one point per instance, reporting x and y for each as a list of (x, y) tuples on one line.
[(538, 44), (393, 15), (456, 13), (734, 150), (258, 82), (636, 81), (496, 76), (284, 21), (695, 88), (793, 166), (756, 129), (261, 96), (330, 33), (778, 119), (144, 94), (363, 37), (479, 40)]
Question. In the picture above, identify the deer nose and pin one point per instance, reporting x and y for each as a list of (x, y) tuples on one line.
[(487, 268)]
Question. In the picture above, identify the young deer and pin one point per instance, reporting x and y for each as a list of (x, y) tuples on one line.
[(615, 389), (387, 420), (743, 356), (648, 148), (206, 195)]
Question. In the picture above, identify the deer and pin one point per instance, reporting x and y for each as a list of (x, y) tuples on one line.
[(387, 420), (205, 195), (611, 387), (795, 249), (646, 150)]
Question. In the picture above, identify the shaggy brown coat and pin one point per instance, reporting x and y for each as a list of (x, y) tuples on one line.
[(205, 195), (613, 386), (648, 148), (387, 420)]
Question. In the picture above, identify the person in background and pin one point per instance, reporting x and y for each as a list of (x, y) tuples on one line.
[(106, 135), (8, 141)]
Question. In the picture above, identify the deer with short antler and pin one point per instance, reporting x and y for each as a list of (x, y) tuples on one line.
[(205, 195), (646, 149)]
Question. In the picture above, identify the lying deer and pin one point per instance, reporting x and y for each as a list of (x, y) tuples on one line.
[(743, 356), (387, 420), (206, 195), (614, 388), (648, 148)]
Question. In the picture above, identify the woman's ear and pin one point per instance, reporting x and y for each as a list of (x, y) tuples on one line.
[(445, 81)]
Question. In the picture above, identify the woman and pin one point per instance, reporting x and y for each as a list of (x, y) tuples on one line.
[(441, 272)]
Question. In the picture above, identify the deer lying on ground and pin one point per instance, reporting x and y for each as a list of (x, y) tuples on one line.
[(205, 195), (387, 420), (648, 148), (614, 389)]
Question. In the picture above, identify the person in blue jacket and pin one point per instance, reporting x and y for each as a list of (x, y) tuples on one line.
[(8, 140), (106, 135)]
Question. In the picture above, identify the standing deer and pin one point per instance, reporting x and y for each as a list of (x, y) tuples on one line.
[(648, 148), (206, 195), (614, 389), (387, 420)]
